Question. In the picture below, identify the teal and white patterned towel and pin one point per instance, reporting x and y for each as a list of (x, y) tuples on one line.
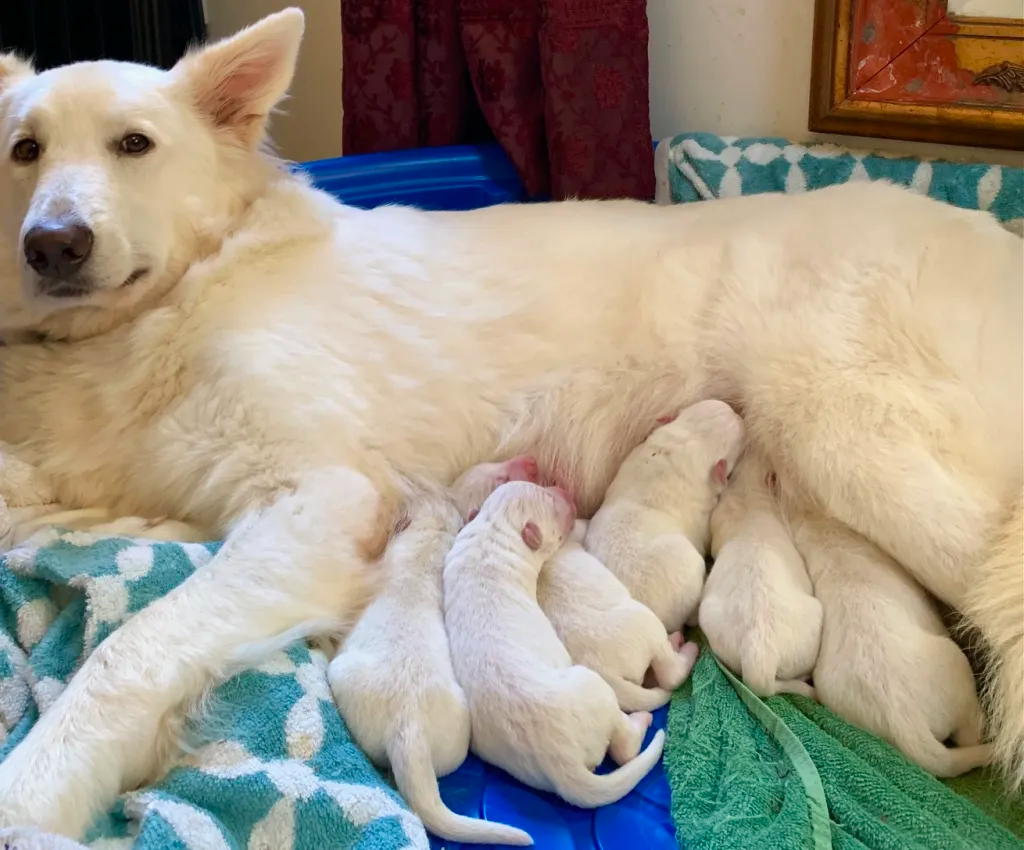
[(701, 166), (273, 767)]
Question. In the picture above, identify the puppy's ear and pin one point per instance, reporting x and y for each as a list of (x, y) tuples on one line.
[(532, 536), (13, 68), (720, 473), (236, 82), (472, 515)]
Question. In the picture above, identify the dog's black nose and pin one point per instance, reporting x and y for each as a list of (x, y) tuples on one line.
[(58, 249)]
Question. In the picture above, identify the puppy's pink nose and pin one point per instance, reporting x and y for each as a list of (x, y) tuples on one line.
[(523, 468)]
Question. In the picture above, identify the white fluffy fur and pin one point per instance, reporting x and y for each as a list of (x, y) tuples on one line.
[(547, 722), (652, 530), (602, 627), (278, 333), (886, 662), (393, 679), (758, 610)]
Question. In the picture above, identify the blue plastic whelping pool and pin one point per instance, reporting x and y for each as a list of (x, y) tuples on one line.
[(456, 178), (462, 178)]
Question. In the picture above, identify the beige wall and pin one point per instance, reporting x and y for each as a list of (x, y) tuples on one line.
[(743, 67), (309, 126)]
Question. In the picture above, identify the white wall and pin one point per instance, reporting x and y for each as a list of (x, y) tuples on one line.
[(743, 67), (309, 126)]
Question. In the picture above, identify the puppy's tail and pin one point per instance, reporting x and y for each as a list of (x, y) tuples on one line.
[(995, 605), (918, 744), (590, 790), (758, 666), (633, 697), (795, 686), (409, 755)]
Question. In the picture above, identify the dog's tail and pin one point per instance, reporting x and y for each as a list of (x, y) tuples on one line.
[(409, 755), (633, 697), (590, 790), (918, 744), (995, 605)]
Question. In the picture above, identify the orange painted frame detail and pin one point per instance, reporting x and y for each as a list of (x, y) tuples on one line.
[(905, 69)]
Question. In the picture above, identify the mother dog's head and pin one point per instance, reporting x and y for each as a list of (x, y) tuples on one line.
[(114, 177)]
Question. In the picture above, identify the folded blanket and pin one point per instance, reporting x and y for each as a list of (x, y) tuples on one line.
[(271, 764), (701, 166), (787, 774)]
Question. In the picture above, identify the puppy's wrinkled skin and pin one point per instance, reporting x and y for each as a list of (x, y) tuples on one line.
[(242, 352), (393, 680), (545, 721), (758, 609), (886, 662), (605, 629), (652, 530)]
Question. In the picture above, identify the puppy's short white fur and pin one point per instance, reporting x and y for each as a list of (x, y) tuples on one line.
[(545, 721), (758, 610), (886, 662), (652, 530), (393, 680), (605, 629)]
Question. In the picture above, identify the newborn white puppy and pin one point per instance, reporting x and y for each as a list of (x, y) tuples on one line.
[(652, 530), (605, 629), (545, 721), (758, 610), (886, 662), (393, 680)]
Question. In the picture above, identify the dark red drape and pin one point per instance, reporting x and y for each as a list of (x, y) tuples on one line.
[(561, 84)]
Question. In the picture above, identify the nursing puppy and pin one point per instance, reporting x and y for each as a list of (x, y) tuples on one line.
[(886, 663), (605, 629), (547, 722), (758, 610), (393, 680), (652, 530)]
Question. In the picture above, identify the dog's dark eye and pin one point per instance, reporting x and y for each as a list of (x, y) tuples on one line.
[(27, 150), (135, 144)]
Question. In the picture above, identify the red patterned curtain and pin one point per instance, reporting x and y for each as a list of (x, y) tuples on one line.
[(561, 85)]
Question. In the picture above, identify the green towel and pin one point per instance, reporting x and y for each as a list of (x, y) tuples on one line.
[(271, 766), (787, 774)]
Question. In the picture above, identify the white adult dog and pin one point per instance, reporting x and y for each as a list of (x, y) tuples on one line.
[(227, 346)]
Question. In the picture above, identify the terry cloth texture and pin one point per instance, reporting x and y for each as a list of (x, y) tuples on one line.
[(272, 766)]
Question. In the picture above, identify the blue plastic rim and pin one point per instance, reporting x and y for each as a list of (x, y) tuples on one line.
[(464, 177)]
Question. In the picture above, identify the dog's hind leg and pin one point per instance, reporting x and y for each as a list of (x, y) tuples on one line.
[(304, 558)]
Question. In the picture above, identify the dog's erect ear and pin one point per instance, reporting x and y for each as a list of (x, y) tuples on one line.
[(236, 82), (532, 536), (13, 68), (720, 473)]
